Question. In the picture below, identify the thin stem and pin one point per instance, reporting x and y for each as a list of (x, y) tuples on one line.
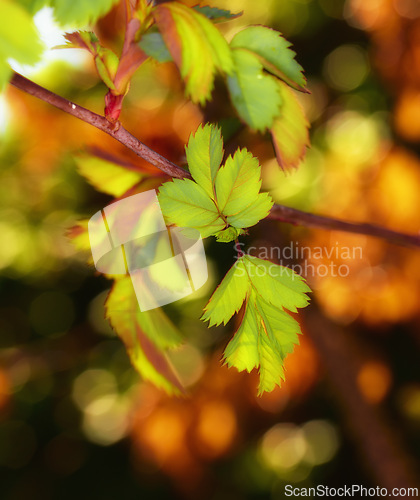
[(117, 131), (278, 212), (300, 218)]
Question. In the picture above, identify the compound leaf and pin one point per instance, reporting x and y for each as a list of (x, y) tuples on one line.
[(266, 333), (186, 204), (204, 156), (254, 94), (273, 52), (238, 184), (290, 130), (196, 46), (146, 335), (223, 200)]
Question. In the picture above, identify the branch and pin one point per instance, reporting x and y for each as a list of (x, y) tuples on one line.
[(300, 218), (117, 131), (279, 212)]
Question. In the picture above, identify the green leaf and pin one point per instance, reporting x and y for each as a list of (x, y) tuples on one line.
[(228, 296), (229, 234), (254, 94), (80, 12), (290, 130), (273, 52), (266, 333), (187, 204), (204, 156), (153, 45), (86, 40), (242, 351), (196, 46), (107, 62), (106, 176), (146, 335), (278, 285), (19, 39), (238, 184), (223, 201), (215, 14)]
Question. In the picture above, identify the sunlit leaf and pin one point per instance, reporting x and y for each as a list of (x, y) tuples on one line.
[(242, 351), (290, 130), (273, 52), (204, 156), (19, 39), (146, 335), (187, 204), (223, 200), (266, 333), (254, 94), (196, 46), (279, 285), (228, 296), (106, 176), (80, 12), (238, 184)]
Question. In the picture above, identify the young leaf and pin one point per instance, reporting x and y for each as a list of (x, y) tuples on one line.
[(106, 60), (266, 333), (196, 46), (229, 234), (146, 335), (229, 296), (204, 155), (187, 204), (254, 94), (223, 201), (273, 52), (237, 185), (18, 38), (86, 40), (279, 285), (290, 130), (106, 176), (80, 12), (153, 45), (215, 14)]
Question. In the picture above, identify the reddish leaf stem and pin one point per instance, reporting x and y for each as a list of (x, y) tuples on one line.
[(278, 212)]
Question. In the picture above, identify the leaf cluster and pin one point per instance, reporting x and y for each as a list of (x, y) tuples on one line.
[(267, 333), (221, 200)]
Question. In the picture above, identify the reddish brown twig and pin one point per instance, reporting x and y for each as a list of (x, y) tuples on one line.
[(279, 212)]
